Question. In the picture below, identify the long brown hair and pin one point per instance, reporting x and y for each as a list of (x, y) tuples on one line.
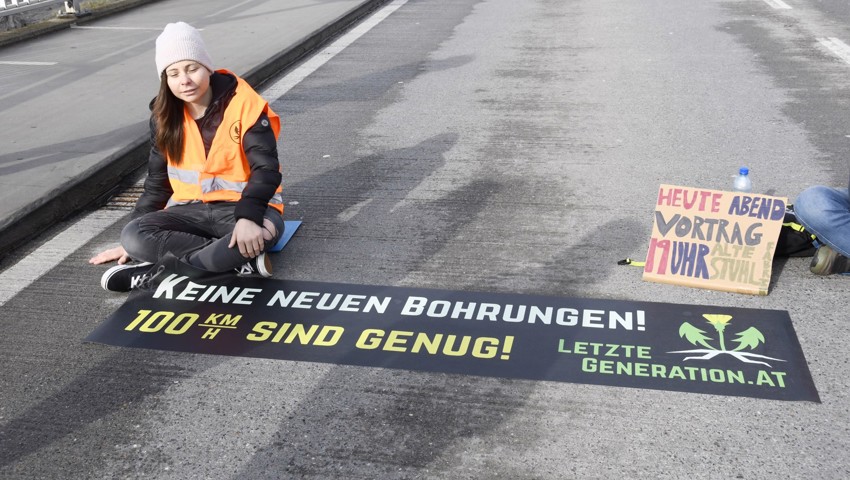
[(168, 115)]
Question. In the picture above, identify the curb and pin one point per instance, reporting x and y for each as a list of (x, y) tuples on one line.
[(93, 187)]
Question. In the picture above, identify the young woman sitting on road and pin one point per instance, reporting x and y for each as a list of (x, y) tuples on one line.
[(212, 198)]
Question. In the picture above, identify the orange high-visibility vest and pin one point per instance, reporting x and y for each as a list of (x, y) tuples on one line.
[(224, 174)]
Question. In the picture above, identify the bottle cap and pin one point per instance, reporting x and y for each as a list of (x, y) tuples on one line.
[(744, 171)]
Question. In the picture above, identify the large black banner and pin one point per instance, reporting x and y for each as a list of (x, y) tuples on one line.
[(690, 348)]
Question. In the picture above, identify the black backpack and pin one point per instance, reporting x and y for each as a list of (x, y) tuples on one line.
[(794, 239)]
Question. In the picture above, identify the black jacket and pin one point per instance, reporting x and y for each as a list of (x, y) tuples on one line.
[(260, 148)]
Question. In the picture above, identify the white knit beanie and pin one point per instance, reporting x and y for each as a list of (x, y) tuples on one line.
[(180, 41)]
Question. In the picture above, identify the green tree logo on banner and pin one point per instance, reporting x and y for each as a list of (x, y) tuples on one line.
[(750, 339)]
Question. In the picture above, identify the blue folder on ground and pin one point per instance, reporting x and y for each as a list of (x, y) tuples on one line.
[(289, 228)]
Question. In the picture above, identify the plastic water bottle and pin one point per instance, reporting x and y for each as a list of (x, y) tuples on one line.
[(742, 181)]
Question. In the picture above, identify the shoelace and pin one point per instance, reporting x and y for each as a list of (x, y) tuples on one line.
[(137, 280), (144, 280), (246, 269)]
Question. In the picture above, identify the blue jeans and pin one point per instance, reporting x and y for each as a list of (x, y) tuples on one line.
[(196, 233), (825, 212)]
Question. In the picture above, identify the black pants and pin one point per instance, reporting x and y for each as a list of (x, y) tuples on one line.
[(196, 233)]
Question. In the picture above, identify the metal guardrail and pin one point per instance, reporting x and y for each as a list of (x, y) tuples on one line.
[(12, 7)]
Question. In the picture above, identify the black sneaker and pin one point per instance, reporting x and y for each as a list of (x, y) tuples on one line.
[(123, 278), (827, 261), (260, 265)]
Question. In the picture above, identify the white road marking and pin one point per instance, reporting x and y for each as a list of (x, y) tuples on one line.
[(125, 49), (44, 258), (33, 266), (35, 64), (273, 92), (232, 7), (32, 85), (778, 4), (353, 210), (836, 46), (153, 29)]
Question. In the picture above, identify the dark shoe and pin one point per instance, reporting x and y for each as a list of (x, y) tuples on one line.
[(260, 265), (827, 261), (123, 278), (171, 265)]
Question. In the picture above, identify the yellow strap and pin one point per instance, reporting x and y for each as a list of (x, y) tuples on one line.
[(799, 228), (795, 226), (629, 261)]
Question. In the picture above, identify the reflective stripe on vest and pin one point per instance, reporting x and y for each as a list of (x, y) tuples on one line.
[(225, 173)]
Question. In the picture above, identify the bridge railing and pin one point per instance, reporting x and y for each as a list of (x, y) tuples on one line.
[(11, 7)]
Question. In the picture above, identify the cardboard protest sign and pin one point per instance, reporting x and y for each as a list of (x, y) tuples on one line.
[(714, 239)]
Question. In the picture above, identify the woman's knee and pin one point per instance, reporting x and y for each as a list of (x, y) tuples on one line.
[(274, 225), (812, 196), (825, 212), (812, 202), (131, 240)]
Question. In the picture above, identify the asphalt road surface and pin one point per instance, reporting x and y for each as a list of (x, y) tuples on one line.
[(494, 146)]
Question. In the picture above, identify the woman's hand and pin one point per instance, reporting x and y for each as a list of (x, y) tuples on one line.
[(249, 237), (117, 253)]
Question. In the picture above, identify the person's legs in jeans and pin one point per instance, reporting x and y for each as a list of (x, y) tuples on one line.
[(825, 212), (178, 230), (151, 237), (196, 233), (217, 256)]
